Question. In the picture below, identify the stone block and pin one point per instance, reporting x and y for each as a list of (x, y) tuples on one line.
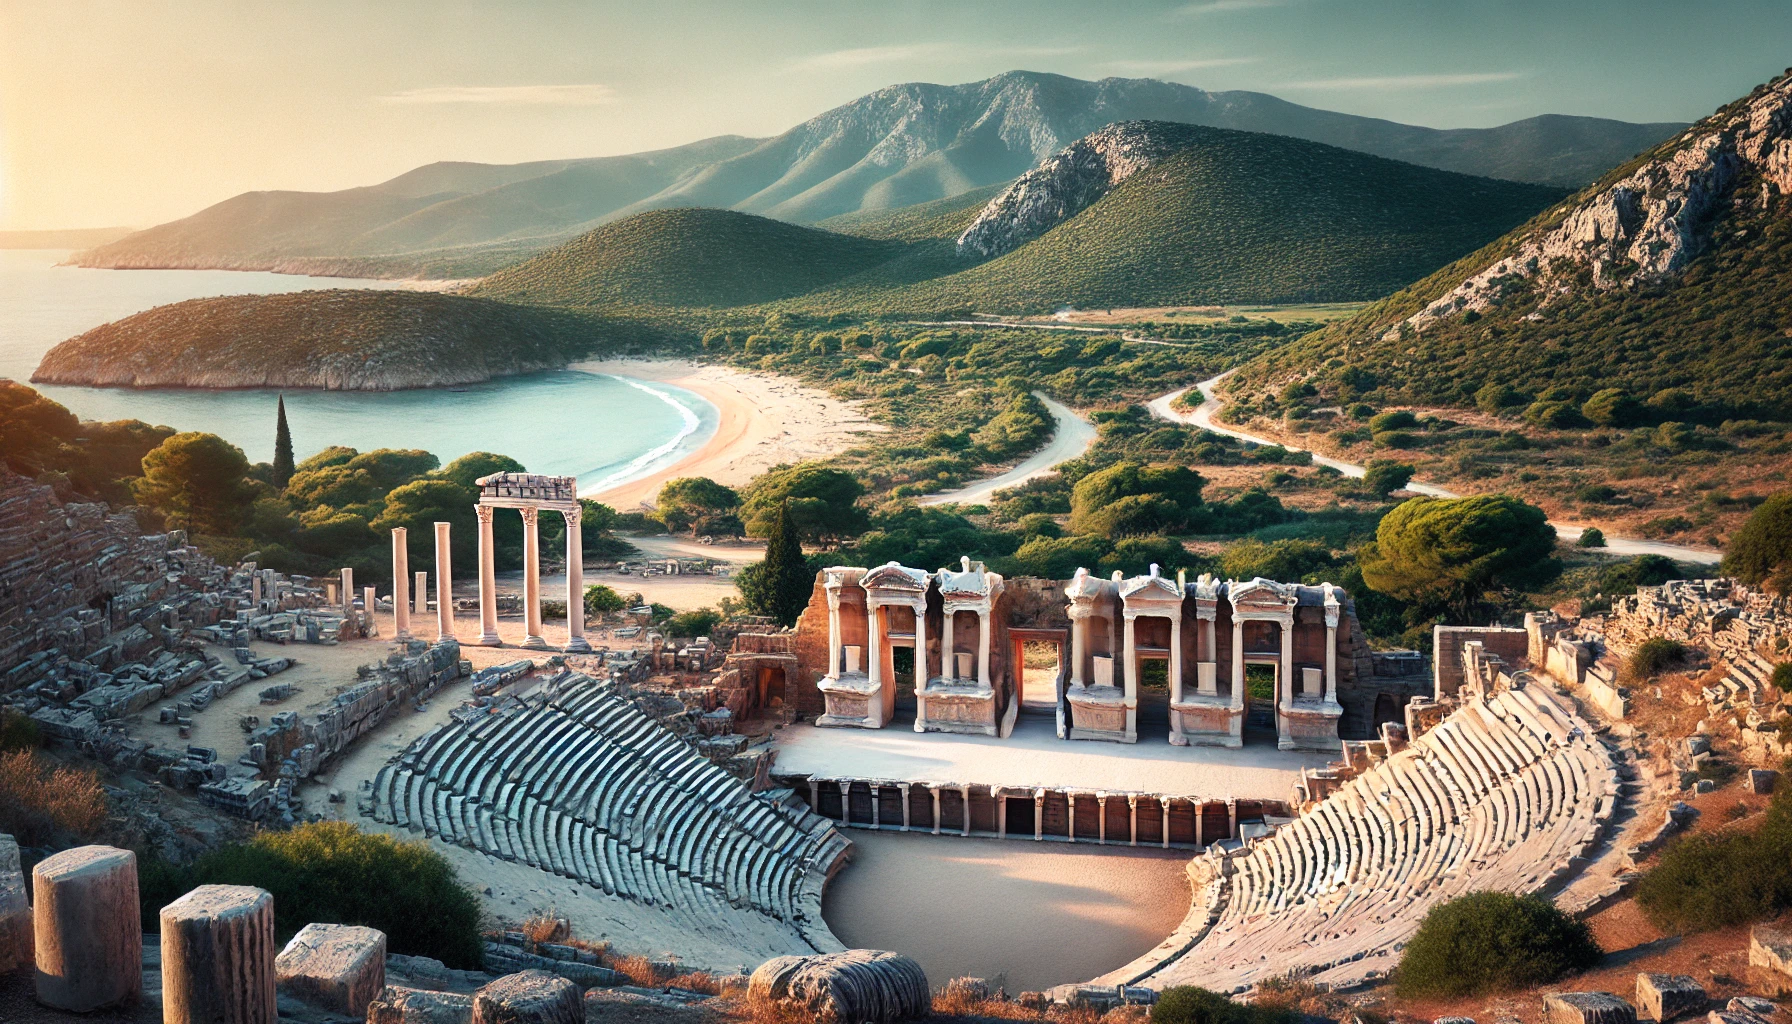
[(1587, 1008), (1454, 1020), (1664, 997), (218, 956), (529, 997), (1734, 1017), (1753, 1004), (15, 909), (862, 985), (1770, 948), (89, 931), (1762, 780), (337, 967), (416, 1006)]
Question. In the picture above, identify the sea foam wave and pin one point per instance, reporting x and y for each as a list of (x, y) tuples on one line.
[(650, 460)]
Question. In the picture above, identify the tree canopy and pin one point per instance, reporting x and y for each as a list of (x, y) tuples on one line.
[(821, 502), (198, 481), (698, 504), (1445, 555), (1761, 552), (1130, 498), (780, 584)]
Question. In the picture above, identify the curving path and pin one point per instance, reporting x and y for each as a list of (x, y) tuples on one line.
[(1164, 408), (1070, 440)]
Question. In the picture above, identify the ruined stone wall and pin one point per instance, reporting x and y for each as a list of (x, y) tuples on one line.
[(1511, 645), (811, 649)]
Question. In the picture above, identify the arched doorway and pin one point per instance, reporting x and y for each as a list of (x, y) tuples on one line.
[(1387, 709)]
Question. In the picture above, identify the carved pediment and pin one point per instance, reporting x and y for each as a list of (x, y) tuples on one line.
[(970, 583), (1150, 587), (893, 577), (1263, 595)]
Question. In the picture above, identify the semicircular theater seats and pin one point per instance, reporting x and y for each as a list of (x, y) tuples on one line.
[(587, 786), (1507, 793)]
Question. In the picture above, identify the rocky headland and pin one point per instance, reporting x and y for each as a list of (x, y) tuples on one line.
[(339, 340)]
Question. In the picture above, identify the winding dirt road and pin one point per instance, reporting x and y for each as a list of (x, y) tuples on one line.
[(1164, 408), (1070, 440)]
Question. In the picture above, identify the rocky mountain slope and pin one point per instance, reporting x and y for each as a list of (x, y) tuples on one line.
[(896, 147), (1198, 215), (349, 340), (1671, 274)]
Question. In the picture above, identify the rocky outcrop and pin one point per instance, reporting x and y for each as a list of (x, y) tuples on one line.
[(1069, 182), (340, 340), (1647, 227)]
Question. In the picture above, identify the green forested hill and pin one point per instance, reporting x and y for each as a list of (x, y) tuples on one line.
[(688, 258)]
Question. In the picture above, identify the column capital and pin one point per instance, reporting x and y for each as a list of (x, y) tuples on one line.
[(574, 519), (531, 515), (484, 512)]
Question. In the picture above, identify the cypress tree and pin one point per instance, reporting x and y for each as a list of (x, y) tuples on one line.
[(282, 448), (787, 573)]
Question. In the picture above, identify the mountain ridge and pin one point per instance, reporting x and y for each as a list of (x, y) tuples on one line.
[(898, 146)]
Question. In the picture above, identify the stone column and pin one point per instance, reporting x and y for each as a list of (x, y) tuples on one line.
[(1331, 654), (255, 591), (348, 591), (89, 929), (874, 661), (1001, 800), (532, 578), (218, 956), (845, 803), (814, 795), (1070, 833), (1079, 645), (575, 583), (488, 580), (903, 786), (948, 660), (965, 793), (1285, 684), (1200, 812), (877, 810), (401, 582), (1237, 663), (444, 582), (1132, 806), (984, 629), (369, 601), (1165, 801), (1129, 657), (920, 669), (1231, 818), (835, 653), (1101, 804), (1038, 815), (1176, 736), (935, 790), (420, 594)]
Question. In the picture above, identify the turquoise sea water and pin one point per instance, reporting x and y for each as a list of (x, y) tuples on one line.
[(599, 428)]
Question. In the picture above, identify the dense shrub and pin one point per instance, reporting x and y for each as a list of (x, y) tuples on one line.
[(18, 731), (1717, 879), (332, 871), (1188, 1004), (1492, 941), (1591, 537), (1653, 656), (1782, 677), (1761, 552)]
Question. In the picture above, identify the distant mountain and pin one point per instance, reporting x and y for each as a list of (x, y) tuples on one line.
[(346, 339), (1139, 213), (897, 147), (1669, 280)]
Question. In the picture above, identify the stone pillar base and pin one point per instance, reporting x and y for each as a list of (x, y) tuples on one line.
[(577, 645)]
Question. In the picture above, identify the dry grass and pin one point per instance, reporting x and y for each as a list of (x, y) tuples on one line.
[(638, 969), (697, 981), (545, 926), (43, 805)]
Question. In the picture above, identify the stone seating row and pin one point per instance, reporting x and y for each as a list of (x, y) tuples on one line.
[(1505, 793), (587, 786)]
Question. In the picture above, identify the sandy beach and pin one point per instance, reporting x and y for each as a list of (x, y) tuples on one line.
[(764, 421)]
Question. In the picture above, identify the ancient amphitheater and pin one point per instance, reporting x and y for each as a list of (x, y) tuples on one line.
[(703, 798)]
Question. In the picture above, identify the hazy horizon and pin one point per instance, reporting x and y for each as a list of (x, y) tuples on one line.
[(135, 114)]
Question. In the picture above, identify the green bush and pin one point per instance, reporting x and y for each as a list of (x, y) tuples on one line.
[(1782, 676), (18, 731), (1188, 1004), (1591, 537), (1399, 419), (333, 872), (1493, 941), (1654, 656), (1718, 879)]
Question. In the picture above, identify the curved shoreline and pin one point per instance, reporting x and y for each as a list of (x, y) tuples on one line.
[(1164, 408), (762, 421)]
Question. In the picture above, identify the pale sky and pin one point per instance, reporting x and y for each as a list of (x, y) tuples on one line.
[(135, 112)]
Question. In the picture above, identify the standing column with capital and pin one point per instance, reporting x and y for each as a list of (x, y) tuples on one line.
[(948, 655), (444, 582), (532, 578), (874, 665), (1285, 686), (348, 592), (488, 580), (1332, 612), (401, 569), (920, 669), (1176, 736), (983, 631), (1079, 628), (1237, 662), (575, 583)]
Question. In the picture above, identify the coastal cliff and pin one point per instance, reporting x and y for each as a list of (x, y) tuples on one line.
[(339, 340)]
